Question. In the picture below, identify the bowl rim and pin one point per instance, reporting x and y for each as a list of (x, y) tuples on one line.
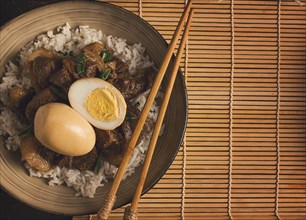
[(179, 74)]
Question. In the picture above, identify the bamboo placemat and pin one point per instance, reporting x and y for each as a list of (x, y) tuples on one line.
[(244, 154)]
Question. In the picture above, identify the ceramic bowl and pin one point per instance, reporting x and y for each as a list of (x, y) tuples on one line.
[(112, 20)]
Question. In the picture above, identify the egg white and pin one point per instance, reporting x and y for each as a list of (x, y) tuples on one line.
[(80, 90)]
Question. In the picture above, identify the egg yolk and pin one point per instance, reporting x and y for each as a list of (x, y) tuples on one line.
[(102, 104)]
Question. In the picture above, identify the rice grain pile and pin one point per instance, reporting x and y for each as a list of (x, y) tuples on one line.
[(65, 39)]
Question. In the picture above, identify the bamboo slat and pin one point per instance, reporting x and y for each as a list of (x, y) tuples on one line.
[(244, 152)]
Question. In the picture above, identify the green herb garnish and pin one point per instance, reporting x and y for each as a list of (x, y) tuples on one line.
[(99, 163), (81, 69), (106, 56), (64, 54), (32, 91), (57, 91), (106, 74), (130, 117), (80, 58), (25, 130), (152, 111)]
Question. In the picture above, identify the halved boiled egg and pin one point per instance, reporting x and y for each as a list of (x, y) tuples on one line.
[(60, 128), (98, 101)]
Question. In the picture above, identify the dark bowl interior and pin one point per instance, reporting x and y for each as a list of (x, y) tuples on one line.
[(112, 20)]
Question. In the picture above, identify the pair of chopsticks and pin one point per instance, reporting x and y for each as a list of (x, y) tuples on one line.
[(131, 212)]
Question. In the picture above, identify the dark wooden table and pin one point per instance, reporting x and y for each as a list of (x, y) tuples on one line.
[(10, 208)]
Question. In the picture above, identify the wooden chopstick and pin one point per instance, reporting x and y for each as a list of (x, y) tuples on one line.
[(131, 211), (110, 198)]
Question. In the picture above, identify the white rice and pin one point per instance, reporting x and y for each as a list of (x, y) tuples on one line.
[(65, 39)]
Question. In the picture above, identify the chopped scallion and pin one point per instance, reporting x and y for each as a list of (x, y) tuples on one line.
[(64, 54), (80, 58), (99, 164), (25, 130), (57, 91), (81, 69), (130, 117), (106, 74), (32, 91), (106, 56)]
